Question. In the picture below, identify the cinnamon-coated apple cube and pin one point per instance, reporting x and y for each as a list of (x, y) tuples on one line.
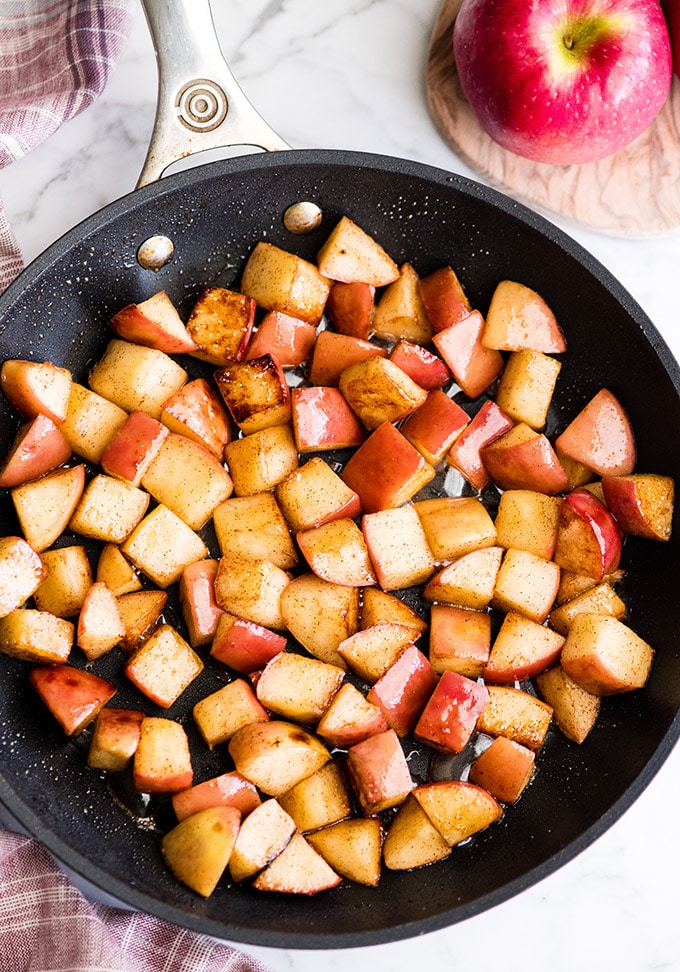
[(378, 772), (333, 353), (350, 308), (412, 840), (287, 338), (251, 589), (450, 715), (372, 650), (404, 689), (519, 319), (163, 666), (276, 755), (136, 378), (162, 545), (398, 547), (604, 656), (188, 479), (505, 769), (254, 527), (115, 738), (320, 615), (281, 281), (100, 626), (427, 369), (155, 323), (400, 312), (133, 447), (526, 386), (588, 537), (314, 494), (221, 714), (243, 645), (386, 471), (469, 581), (72, 695), (455, 525), (487, 424), (337, 552), (197, 601), (601, 436), (577, 474), (575, 710), (69, 578), (460, 640), (36, 388), (318, 800), (522, 648), (226, 790), (262, 837), (435, 426), (600, 599), (259, 461), (353, 848), (528, 520), (526, 584), (522, 458), (197, 850), (39, 446), (350, 254), (444, 298), (457, 809), (378, 391), (196, 411), (323, 419), (36, 636), (220, 324), (350, 718), (44, 506), (109, 509), (91, 422), (162, 760), (297, 687), (141, 613), (474, 366), (641, 503), (516, 714), (298, 869), (21, 571), (378, 606), (255, 393)]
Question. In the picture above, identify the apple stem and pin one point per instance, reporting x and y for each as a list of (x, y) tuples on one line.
[(569, 41)]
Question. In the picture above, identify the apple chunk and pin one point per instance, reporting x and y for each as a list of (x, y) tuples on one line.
[(36, 388), (198, 849), (276, 755), (155, 323), (601, 437), (604, 656), (72, 695), (457, 809), (641, 503), (39, 447), (350, 254), (21, 571), (588, 538), (519, 319)]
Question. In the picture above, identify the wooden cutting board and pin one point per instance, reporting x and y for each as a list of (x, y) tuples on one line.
[(634, 193)]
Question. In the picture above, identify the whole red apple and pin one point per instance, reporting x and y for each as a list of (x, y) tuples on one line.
[(563, 81)]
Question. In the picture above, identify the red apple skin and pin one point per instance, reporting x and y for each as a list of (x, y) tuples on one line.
[(288, 338), (401, 693), (601, 437), (562, 83), (132, 324), (444, 298), (334, 352), (39, 447), (588, 537), (196, 411), (34, 388), (227, 790), (133, 446), (350, 308), (425, 368), (74, 696), (474, 367), (641, 504), (450, 716), (488, 424), (382, 467), (323, 420), (671, 10), (525, 465), (435, 426), (379, 772), (197, 599), (243, 645)]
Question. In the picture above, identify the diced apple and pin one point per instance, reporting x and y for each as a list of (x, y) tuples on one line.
[(36, 636), (197, 850), (372, 650), (350, 718), (469, 581), (378, 606), (196, 411), (379, 772), (351, 254), (398, 547), (528, 520), (474, 366), (276, 755), (36, 388), (320, 615), (333, 353), (378, 391), (516, 714), (44, 506), (412, 840), (38, 447), (163, 666), (262, 837), (522, 648), (91, 422), (575, 711), (100, 626), (297, 687), (162, 760), (450, 716), (337, 552), (455, 525), (220, 715), (298, 869), (225, 790), (318, 800), (220, 324), (21, 571), (281, 281), (604, 656), (136, 378), (323, 419), (444, 298), (519, 319), (435, 426), (460, 640), (404, 689), (350, 308), (255, 392), (68, 580), (352, 848), (254, 527), (487, 424), (200, 610), (133, 447), (641, 503), (155, 323), (526, 387), (287, 338), (162, 545), (522, 458), (599, 599), (141, 613), (601, 437), (400, 312), (115, 738), (505, 769), (260, 461), (109, 509), (427, 369), (588, 538), (243, 645), (251, 589), (72, 695), (457, 809), (526, 584), (314, 494)]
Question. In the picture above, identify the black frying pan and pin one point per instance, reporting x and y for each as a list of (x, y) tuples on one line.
[(59, 310)]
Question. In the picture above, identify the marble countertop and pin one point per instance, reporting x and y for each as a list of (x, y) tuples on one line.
[(350, 74)]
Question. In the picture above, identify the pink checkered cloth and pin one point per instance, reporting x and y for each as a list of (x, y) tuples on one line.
[(55, 58)]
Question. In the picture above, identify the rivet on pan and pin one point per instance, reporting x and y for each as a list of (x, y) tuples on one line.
[(302, 217), (155, 252)]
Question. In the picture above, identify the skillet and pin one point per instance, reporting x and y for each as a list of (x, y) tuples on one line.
[(59, 310)]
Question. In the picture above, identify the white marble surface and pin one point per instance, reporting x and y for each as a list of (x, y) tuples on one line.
[(350, 74)]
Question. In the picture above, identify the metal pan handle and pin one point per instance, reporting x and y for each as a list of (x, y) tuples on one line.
[(200, 104)]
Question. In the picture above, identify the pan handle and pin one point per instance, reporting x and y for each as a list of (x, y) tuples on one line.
[(200, 104)]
